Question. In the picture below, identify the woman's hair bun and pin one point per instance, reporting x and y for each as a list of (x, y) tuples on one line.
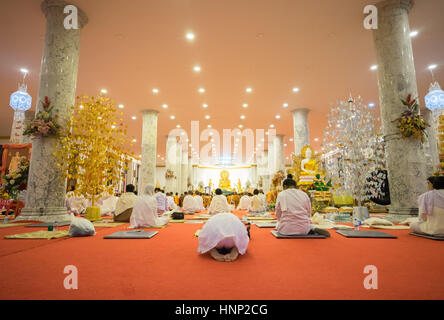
[(289, 176)]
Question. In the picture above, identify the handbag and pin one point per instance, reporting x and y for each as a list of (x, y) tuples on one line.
[(177, 215)]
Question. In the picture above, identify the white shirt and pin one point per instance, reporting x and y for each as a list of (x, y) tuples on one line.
[(189, 204), (223, 228), (218, 204), (126, 201), (244, 203), (293, 211), (145, 213), (162, 202), (199, 202), (263, 198), (257, 204), (170, 202)]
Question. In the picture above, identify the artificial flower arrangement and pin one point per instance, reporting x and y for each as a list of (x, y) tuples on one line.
[(44, 124), (411, 123), (16, 181), (320, 185)]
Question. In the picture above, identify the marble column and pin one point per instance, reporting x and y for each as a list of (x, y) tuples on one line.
[(46, 191), (184, 167), (432, 152), (278, 153), (190, 171), (179, 168), (301, 130), (149, 149), (171, 145), (405, 157)]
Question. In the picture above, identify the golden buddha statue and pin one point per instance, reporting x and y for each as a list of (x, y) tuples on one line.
[(308, 168), (224, 182)]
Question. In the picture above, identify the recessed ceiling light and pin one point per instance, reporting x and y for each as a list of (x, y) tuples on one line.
[(190, 36), (207, 117), (134, 117), (371, 104), (104, 91), (245, 105), (249, 90), (242, 117), (285, 146), (164, 106), (278, 116), (374, 67), (134, 140), (316, 139), (121, 106), (291, 139), (414, 33), (271, 125), (178, 126), (196, 68), (24, 70), (201, 90), (295, 89), (172, 117), (155, 90), (432, 66), (209, 126), (240, 126), (205, 105), (285, 105)]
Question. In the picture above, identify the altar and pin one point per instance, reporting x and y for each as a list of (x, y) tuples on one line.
[(235, 178)]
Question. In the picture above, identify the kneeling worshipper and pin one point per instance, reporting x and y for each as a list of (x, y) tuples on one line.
[(431, 209), (257, 205), (199, 201), (224, 236), (170, 202), (189, 204), (145, 211), (125, 204), (75, 204), (244, 202), (263, 197), (162, 202), (107, 204), (293, 211), (219, 203)]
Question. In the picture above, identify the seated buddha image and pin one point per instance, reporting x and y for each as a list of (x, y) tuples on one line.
[(224, 182), (308, 164)]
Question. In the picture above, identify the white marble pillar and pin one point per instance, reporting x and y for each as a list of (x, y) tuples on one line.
[(278, 153), (149, 148), (190, 171), (179, 168), (432, 152), (46, 191), (184, 167), (171, 145), (396, 79), (301, 129)]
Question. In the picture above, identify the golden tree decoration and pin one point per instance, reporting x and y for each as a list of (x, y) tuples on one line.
[(94, 148)]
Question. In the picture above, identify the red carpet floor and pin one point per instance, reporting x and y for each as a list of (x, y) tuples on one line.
[(168, 267)]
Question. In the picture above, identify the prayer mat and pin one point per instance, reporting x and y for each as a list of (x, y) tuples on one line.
[(387, 227), (8, 225), (177, 221), (260, 218), (195, 221), (39, 235), (47, 224), (265, 224), (342, 227), (100, 224), (307, 236), (365, 234), (427, 236), (200, 218), (132, 235)]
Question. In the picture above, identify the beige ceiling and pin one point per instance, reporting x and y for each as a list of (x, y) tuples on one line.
[(132, 46)]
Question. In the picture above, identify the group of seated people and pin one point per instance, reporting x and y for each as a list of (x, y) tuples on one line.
[(225, 236)]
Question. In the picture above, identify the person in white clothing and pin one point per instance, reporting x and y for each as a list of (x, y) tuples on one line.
[(431, 209), (171, 205), (224, 236), (199, 201), (219, 203), (244, 202), (257, 205), (125, 204), (75, 204), (145, 211), (189, 204), (162, 202), (293, 211), (263, 197)]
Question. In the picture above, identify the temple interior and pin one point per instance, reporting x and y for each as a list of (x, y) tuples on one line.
[(194, 150)]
